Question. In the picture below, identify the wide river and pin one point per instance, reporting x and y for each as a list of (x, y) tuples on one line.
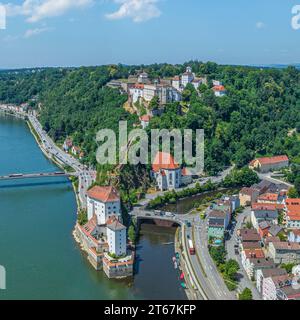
[(41, 258)]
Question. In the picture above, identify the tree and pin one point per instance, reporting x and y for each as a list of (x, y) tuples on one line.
[(154, 103), (297, 184), (293, 193), (246, 294), (132, 234)]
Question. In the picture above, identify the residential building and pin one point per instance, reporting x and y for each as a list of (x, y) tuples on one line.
[(269, 198), (176, 83), (68, 144), (216, 229), (263, 212), (254, 259), (218, 221), (166, 172), (284, 252), (263, 228), (272, 284), (267, 164), (292, 213), (143, 78), (116, 237), (187, 77), (248, 235), (219, 91), (263, 274), (274, 230), (247, 196), (104, 202), (294, 236), (217, 83), (288, 293), (136, 92), (145, 120)]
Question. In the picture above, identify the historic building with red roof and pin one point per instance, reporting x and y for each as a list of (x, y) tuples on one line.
[(267, 164), (103, 202), (167, 172)]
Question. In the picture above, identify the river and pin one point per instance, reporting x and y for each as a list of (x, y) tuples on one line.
[(41, 258)]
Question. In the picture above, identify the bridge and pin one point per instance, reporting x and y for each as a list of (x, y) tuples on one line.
[(160, 218), (20, 176)]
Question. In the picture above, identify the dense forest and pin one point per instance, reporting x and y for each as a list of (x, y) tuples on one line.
[(259, 115)]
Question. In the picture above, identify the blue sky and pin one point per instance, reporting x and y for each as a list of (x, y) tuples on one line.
[(94, 32)]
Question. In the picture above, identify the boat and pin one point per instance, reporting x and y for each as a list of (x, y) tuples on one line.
[(174, 259), (182, 276), (175, 265), (183, 285)]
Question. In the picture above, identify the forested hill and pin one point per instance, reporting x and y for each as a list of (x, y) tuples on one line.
[(257, 117)]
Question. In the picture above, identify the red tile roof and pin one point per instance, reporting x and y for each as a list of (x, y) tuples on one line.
[(264, 206), (164, 160), (219, 88), (293, 209), (145, 118), (104, 194), (272, 160), (268, 197), (254, 253)]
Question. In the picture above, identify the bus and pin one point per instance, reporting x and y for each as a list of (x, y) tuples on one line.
[(191, 247)]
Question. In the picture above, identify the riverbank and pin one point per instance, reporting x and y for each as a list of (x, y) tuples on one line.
[(141, 278)]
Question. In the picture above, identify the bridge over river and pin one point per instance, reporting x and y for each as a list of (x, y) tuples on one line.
[(20, 176)]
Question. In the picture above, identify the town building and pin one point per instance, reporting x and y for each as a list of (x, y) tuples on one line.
[(145, 120), (267, 164), (104, 202), (166, 172), (288, 293), (270, 198), (294, 236), (187, 77), (274, 283), (248, 235), (68, 144), (292, 213), (263, 274), (143, 78), (247, 196), (219, 91), (116, 237), (218, 221), (136, 92), (284, 252), (263, 212)]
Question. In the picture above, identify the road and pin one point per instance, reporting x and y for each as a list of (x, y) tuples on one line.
[(244, 281), (268, 177), (201, 181), (86, 176)]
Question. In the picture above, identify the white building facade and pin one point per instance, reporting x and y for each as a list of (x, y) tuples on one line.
[(104, 202)]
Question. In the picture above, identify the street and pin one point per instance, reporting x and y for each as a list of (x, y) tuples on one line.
[(244, 281), (85, 175)]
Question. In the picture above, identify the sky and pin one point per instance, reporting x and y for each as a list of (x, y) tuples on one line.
[(94, 32)]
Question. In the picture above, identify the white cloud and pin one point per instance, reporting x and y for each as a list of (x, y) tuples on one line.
[(137, 10), (34, 32), (36, 10), (260, 25)]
